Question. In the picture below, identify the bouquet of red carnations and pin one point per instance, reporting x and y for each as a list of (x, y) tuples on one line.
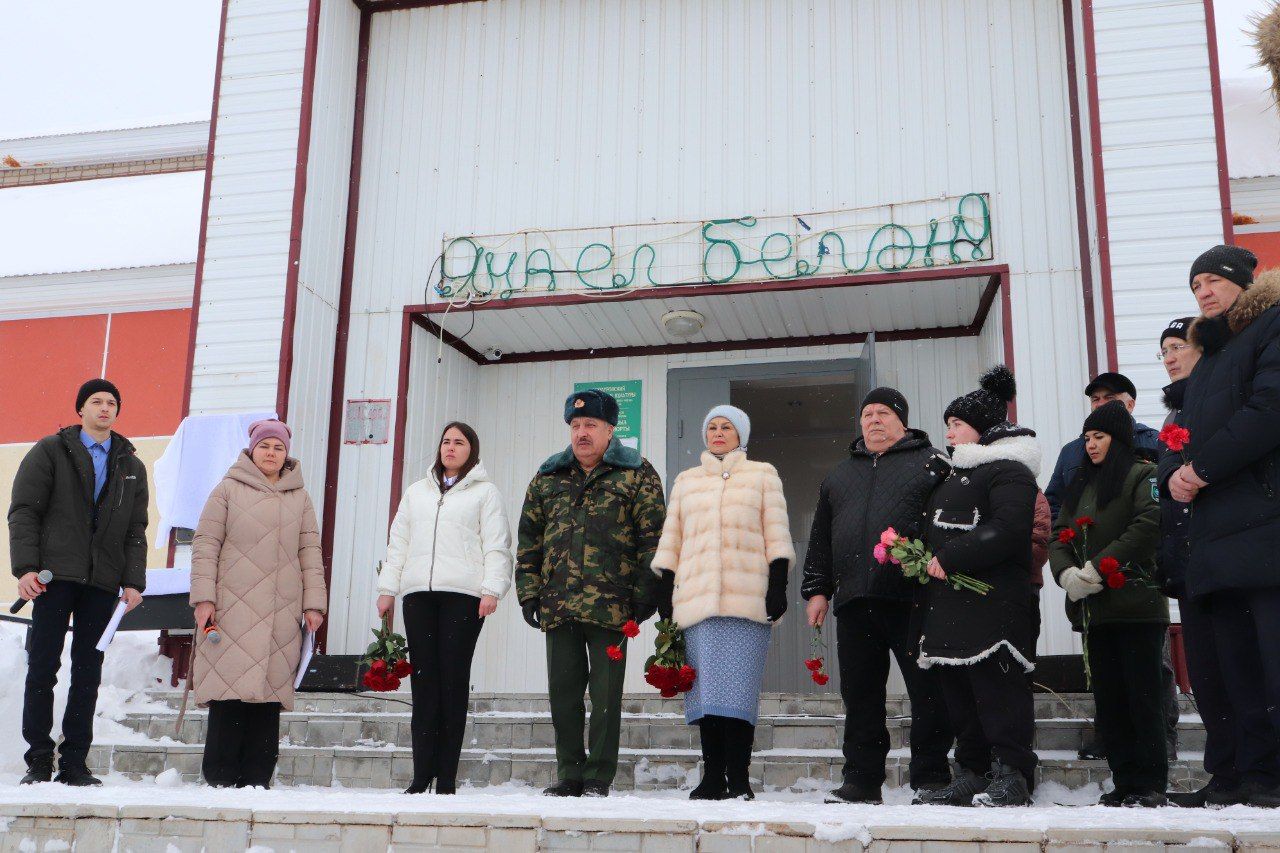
[(388, 659), (667, 668)]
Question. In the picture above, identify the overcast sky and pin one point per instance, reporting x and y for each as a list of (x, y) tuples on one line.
[(91, 64)]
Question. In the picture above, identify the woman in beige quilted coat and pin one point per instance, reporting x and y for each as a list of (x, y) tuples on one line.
[(256, 576), (723, 561)]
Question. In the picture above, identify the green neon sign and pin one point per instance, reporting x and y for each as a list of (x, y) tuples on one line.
[(471, 269)]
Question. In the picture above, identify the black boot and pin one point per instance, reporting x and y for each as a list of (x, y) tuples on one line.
[(1008, 787), (78, 777), (565, 788), (856, 791), (1199, 799), (960, 792), (38, 771), (739, 737), (416, 787), (713, 785)]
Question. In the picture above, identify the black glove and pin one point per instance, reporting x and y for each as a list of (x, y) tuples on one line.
[(775, 599), (530, 611), (642, 610), (666, 587)]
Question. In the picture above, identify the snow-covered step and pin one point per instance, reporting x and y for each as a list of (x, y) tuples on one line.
[(497, 729), (641, 769)]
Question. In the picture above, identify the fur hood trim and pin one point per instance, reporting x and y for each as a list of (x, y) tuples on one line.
[(1264, 293), (927, 661), (1018, 448), (617, 455)]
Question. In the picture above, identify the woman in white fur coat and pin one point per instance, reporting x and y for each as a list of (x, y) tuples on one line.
[(723, 560)]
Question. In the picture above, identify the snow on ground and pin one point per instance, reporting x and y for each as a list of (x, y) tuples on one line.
[(833, 821), (133, 665)]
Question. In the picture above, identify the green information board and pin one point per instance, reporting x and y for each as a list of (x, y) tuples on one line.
[(627, 393)]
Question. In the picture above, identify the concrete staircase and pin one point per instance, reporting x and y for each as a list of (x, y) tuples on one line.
[(362, 741)]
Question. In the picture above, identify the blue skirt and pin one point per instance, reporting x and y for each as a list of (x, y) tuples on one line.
[(729, 655)]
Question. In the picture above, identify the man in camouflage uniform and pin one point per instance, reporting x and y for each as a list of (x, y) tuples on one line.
[(590, 526)]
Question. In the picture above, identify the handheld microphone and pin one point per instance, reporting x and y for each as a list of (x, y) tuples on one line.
[(211, 633), (44, 577)]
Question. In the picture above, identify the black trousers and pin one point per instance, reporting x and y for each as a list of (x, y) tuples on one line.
[(442, 629), (89, 609), (1246, 628), (242, 743), (1128, 691), (1210, 691), (990, 705), (867, 632)]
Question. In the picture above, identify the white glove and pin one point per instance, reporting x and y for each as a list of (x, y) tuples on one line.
[(1080, 583)]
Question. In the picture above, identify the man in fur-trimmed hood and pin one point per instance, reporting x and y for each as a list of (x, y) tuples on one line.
[(1232, 481)]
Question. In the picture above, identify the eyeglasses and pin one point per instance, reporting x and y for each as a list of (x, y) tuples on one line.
[(1172, 349)]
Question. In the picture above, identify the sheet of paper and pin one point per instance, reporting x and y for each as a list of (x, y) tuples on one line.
[(168, 581), (110, 630), (308, 649)]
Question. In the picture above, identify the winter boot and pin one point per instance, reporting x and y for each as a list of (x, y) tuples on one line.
[(739, 737), (1232, 796), (1262, 797), (856, 791), (416, 787), (1200, 798), (713, 785), (77, 777), (595, 788), (565, 788), (38, 771), (1146, 800), (1008, 787), (1112, 799), (960, 792)]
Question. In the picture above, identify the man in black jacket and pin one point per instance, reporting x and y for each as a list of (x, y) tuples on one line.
[(1231, 407), (79, 511), (884, 483)]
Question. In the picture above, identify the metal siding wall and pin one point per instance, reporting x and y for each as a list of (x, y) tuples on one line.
[(97, 292), (1257, 197), (323, 233), (1160, 158), (478, 122), (251, 201)]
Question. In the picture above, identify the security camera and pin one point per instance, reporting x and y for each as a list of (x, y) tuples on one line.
[(493, 353)]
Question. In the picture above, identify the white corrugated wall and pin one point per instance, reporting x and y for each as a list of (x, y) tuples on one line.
[(1160, 161), (478, 122), (251, 201)]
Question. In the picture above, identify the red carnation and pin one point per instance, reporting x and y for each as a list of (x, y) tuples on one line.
[(631, 629), (686, 676), (1084, 521), (1115, 580), (813, 664), (614, 653), (1175, 437), (1108, 566), (402, 669), (392, 683), (821, 678), (667, 693), (1066, 536), (379, 666)]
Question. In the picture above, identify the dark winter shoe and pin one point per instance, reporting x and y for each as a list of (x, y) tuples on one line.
[(712, 787), (565, 788), (739, 736), (39, 772), (1231, 796), (856, 792), (1264, 798), (1147, 800), (595, 788), (1008, 787), (1112, 799), (1092, 752), (416, 787), (1200, 798), (960, 792), (447, 789), (78, 777)]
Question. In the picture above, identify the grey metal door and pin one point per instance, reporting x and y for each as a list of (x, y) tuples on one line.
[(801, 461)]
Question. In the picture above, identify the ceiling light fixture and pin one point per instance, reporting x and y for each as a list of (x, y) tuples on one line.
[(683, 324)]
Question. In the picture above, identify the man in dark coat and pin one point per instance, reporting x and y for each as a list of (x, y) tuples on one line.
[(1102, 389), (1232, 410), (884, 483), (79, 512)]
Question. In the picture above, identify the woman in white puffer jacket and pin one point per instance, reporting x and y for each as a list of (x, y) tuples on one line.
[(449, 556)]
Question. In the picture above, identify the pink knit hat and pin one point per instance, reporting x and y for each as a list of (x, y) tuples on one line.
[(260, 431)]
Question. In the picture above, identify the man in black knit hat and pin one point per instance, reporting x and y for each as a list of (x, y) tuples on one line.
[(1231, 478), (890, 472), (79, 511)]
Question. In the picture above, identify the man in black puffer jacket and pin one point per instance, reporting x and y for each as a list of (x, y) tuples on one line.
[(1232, 409), (79, 511), (885, 482)]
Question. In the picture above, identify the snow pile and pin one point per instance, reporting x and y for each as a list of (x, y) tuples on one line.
[(133, 665)]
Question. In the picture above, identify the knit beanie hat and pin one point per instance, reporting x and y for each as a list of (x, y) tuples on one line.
[(1113, 419), (890, 397), (93, 386), (260, 431), (989, 405), (1178, 328), (591, 403), (1233, 263), (733, 415)]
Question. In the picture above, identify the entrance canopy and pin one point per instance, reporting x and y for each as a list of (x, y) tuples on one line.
[(907, 305)]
